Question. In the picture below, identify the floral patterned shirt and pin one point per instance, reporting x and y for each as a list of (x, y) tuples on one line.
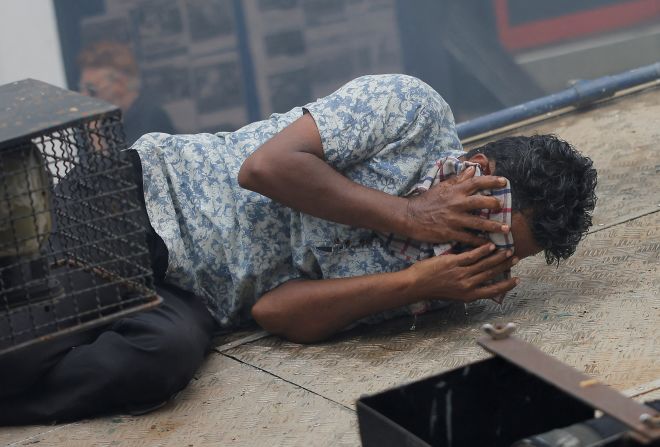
[(230, 245)]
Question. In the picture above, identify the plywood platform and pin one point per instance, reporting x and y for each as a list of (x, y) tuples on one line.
[(599, 312)]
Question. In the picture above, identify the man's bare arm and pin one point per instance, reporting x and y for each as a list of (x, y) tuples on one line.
[(290, 168), (307, 311)]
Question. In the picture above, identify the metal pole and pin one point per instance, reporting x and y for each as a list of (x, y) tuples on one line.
[(583, 92)]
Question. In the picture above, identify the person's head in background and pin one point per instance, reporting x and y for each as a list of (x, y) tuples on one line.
[(552, 192), (109, 71)]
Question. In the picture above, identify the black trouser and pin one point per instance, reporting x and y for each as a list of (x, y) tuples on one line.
[(133, 364)]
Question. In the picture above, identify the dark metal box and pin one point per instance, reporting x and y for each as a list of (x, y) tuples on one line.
[(497, 402), (489, 403)]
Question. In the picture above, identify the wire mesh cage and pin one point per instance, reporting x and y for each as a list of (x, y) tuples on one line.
[(73, 251)]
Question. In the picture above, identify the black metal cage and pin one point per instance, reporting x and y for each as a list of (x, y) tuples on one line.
[(73, 250)]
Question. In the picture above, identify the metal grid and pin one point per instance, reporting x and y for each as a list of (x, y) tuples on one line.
[(73, 250)]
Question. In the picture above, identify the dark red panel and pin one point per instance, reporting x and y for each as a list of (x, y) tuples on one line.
[(579, 24)]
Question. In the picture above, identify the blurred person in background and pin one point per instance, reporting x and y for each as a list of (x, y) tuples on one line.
[(110, 72)]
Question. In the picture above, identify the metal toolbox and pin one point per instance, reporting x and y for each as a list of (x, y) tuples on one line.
[(520, 393)]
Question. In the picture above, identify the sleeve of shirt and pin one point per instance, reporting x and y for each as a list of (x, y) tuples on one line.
[(384, 113)]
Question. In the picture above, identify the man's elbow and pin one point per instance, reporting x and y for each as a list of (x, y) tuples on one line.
[(267, 317), (254, 173), (277, 323)]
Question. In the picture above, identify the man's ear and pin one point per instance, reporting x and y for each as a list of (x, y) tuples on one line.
[(484, 162)]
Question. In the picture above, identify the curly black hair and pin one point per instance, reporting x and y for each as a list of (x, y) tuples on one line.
[(550, 178)]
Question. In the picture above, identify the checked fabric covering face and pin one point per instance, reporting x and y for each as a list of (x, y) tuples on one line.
[(412, 250)]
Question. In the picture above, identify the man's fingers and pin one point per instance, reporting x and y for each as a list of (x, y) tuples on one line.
[(464, 176), (479, 224), (484, 182), (492, 272), (481, 202), (467, 174), (494, 290), (467, 238), (471, 256), (491, 261)]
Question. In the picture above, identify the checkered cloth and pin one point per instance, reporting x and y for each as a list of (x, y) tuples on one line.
[(412, 250)]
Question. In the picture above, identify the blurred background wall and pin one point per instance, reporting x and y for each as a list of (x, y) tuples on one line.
[(29, 42), (215, 65)]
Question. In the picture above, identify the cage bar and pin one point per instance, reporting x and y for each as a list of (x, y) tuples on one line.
[(73, 251)]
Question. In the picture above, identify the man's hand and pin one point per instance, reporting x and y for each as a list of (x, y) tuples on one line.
[(443, 213), (461, 277)]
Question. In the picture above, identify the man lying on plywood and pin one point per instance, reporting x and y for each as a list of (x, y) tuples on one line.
[(358, 207)]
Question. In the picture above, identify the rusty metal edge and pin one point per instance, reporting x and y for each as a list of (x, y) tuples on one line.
[(574, 382)]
